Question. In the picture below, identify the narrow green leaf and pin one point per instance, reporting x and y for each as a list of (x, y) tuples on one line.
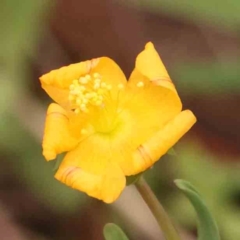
[(112, 231), (57, 162), (207, 227)]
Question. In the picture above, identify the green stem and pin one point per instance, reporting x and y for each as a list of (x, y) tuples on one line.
[(157, 209)]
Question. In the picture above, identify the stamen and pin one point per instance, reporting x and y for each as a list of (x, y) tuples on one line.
[(96, 85), (71, 98), (103, 85), (84, 131), (140, 84), (77, 110), (71, 87), (83, 80), (87, 90), (88, 77), (109, 87), (96, 75), (75, 82), (120, 86)]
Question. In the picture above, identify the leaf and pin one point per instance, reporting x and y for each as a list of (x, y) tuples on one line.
[(207, 227), (58, 162), (112, 231)]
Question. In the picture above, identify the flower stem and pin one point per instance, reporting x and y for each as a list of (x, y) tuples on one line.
[(157, 209)]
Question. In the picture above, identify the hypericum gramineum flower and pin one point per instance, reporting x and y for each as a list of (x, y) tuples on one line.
[(111, 127)]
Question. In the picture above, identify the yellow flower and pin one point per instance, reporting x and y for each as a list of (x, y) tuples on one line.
[(111, 127)]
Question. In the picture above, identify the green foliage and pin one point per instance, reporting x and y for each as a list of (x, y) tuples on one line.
[(208, 77), (21, 26), (225, 14), (113, 232), (217, 180), (33, 170), (207, 228)]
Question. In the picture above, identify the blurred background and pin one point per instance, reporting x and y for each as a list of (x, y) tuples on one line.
[(199, 44)]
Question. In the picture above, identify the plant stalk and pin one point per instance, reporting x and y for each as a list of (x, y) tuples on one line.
[(157, 210)]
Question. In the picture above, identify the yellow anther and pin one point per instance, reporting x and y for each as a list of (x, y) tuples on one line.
[(82, 88), (71, 87), (140, 84), (98, 102), (84, 131), (85, 110), (88, 95), (87, 90), (88, 77), (75, 82), (73, 92), (85, 100), (100, 91), (96, 75), (97, 80), (76, 110), (78, 101), (93, 94), (103, 85), (71, 98), (120, 86), (82, 105), (96, 85), (100, 97), (109, 87), (83, 80)]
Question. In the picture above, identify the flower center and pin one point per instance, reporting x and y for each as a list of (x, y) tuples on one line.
[(87, 90)]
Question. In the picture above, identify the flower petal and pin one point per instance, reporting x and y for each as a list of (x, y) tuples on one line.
[(112, 75), (149, 66), (57, 137), (56, 83), (106, 187), (93, 169), (148, 110), (109, 70), (156, 146)]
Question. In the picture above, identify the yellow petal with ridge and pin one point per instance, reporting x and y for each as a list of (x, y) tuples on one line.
[(57, 137)]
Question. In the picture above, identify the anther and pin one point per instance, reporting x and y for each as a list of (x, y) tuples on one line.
[(87, 90), (84, 131), (88, 77), (75, 82), (103, 85), (109, 87), (71, 98), (98, 102), (83, 80), (78, 101), (77, 110), (82, 106), (96, 85), (140, 84), (120, 86), (71, 87), (82, 88), (96, 75)]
